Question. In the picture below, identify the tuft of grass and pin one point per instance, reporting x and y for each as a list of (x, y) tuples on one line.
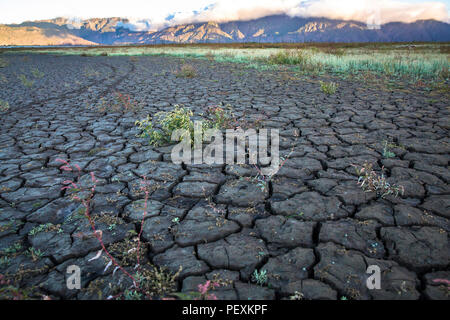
[(289, 57), (25, 82), (157, 282), (178, 118), (35, 254), (386, 152), (13, 249), (221, 116), (260, 278), (3, 63), (37, 74), (44, 228), (328, 88), (4, 106), (186, 71), (4, 261), (121, 103), (370, 181)]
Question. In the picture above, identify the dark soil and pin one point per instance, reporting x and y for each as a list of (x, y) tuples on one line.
[(314, 229)]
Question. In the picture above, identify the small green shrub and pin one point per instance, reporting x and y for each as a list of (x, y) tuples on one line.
[(4, 106), (4, 261), (260, 278), (370, 181), (12, 249), (386, 152), (328, 87), (132, 295), (290, 57), (26, 83), (178, 118), (34, 253), (186, 71), (45, 228), (37, 74), (220, 116)]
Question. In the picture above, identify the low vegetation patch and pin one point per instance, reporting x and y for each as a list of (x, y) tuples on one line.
[(186, 71), (290, 57), (179, 118), (3, 63), (260, 278), (370, 181), (4, 106), (127, 257), (25, 81), (120, 103), (428, 61), (37, 74), (328, 88)]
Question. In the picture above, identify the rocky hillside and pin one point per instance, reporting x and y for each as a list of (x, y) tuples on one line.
[(278, 28)]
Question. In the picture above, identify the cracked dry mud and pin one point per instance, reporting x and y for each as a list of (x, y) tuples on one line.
[(314, 231)]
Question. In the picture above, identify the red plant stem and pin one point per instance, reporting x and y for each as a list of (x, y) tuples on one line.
[(142, 225), (86, 204)]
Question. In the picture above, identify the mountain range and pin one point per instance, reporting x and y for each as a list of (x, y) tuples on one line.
[(275, 28)]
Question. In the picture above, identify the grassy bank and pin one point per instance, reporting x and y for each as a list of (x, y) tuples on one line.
[(418, 61)]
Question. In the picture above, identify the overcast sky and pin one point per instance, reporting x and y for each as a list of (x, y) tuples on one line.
[(151, 14)]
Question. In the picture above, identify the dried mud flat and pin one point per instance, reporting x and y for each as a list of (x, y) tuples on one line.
[(314, 230)]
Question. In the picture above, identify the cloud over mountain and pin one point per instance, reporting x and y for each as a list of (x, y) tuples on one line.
[(372, 11), (153, 15)]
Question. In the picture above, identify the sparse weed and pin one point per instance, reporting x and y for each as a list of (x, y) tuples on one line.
[(35, 254), (186, 71), (260, 278), (202, 293), (328, 87), (132, 295), (13, 249), (221, 117), (4, 106), (370, 181), (44, 228), (25, 82), (37, 74), (263, 180), (204, 290), (4, 261), (122, 103), (178, 118), (386, 152), (157, 281), (445, 73), (3, 63), (146, 282), (89, 72), (289, 57), (125, 102), (297, 296)]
